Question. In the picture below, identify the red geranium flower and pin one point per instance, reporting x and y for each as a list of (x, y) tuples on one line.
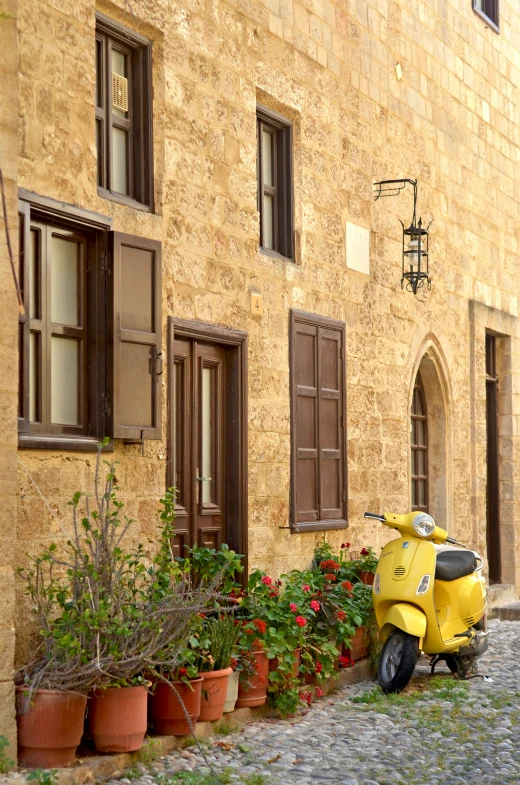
[(260, 625), (183, 672), (345, 545), (346, 585), (318, 667), (306, 587), (315, 605), (364, 551), (306, 697), (258, 645), (329, 564), (233, 663), (341, 615), (274, 592), (319, 692), (301, 621), (267, 581), (293, 607), (331, 577), (249, 631), (345, 662)]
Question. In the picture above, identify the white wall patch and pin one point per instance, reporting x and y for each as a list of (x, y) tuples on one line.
[(357, 248)]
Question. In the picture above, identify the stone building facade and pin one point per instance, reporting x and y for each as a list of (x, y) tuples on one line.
[(448, 117)]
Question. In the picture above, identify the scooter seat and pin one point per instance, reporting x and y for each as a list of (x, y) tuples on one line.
[(454, 564)]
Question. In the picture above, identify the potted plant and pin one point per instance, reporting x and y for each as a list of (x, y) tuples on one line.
[(174, 704), (107, 615), (216, 644), (367, 564)]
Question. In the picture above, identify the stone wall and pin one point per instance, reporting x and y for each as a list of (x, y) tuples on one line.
[(451, 121), (8, 352)]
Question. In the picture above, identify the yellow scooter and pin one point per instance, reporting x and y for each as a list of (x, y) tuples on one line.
[(428, 597)]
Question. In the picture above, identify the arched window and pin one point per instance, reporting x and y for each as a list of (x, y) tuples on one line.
[(419, 444)]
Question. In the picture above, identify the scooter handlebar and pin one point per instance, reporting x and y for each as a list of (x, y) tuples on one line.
[(375, 516), (455, 542)]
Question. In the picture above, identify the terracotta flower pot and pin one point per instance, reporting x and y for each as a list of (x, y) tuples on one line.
[(358, 645), (367, 577), (273, 664), (168, 709), (254, 693), (232, 691), (214, 689), (49, 727), (118, 718)]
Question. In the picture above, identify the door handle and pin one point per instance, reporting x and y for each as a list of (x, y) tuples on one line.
[(204, 479)]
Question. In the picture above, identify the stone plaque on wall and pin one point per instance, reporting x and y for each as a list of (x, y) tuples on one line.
[(357, 248)]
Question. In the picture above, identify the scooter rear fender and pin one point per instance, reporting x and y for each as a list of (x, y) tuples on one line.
[(405, 617)]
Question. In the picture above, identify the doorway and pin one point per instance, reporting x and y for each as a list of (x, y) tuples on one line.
[(207, 427), (493, 480)]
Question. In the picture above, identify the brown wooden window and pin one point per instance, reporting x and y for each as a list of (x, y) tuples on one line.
[(123, 113), (275, 200), (318, 423), (90, 337), (488, 10), (419, 445)]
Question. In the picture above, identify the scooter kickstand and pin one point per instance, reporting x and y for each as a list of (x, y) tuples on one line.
[(434, 661)]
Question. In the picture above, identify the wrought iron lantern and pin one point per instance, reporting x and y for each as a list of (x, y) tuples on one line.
[(415, 268)]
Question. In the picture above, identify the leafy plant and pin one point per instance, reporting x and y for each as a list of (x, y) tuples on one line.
[(43, 776), (205, 565), (5, 762), (368, 559), (107, 613)]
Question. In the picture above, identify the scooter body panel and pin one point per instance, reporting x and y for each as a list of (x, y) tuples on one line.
[(444, 610)]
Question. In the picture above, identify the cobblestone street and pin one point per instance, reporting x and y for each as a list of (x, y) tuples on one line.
[(443, 732)]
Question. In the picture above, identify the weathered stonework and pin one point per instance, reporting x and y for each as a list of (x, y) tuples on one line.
[(451, 121)]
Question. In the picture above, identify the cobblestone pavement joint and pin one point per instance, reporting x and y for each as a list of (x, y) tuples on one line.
[(436, 733)]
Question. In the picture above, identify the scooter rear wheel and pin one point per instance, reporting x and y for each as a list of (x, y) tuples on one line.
[(397, 661)]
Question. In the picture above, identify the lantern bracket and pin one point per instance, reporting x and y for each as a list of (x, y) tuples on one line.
[(393, 188)]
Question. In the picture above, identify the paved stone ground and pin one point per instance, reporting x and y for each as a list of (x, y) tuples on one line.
[(435, 733)]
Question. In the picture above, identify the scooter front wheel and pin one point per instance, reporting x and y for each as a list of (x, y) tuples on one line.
[(397, 661)]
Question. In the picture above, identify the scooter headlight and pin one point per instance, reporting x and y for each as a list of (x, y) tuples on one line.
[(376, 588), (423, 524)]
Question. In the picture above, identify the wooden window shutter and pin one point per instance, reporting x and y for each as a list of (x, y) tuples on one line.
[(137, 348), (318, 423)]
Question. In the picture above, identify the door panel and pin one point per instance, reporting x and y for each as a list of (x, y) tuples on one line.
[(198, 443)]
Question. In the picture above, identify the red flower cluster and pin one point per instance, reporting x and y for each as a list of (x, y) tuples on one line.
[(300, 621), (331, 577), (274, 592), (267, 581), (346, 585), (345, 545), (306, 697), (341, 615), (364, 551), (293, 607), (233, 663), (315, 605), (260, 625), (306, 587), (182, 672), (258, 645), (329, 564), (318, 667), (319, 692), (345, 662)]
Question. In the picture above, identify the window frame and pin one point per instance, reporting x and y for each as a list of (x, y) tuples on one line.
[(494, 23), (414, 448), (42, 211), (111, 34), (314, 320), (283, 189)]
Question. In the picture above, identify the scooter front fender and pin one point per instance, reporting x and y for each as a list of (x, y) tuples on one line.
[(405, 617)]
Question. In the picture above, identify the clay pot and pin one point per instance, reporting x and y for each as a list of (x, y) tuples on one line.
[(214, 690), (367, 577), (49, 727), (168, 709), (254, 693), (273, 664), (232, 691), (118, 718), (358, 645)]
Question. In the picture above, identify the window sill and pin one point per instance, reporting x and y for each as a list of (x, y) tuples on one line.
[(29, 441), (317, 526), (275, 255), (487, 20), (127, 201)]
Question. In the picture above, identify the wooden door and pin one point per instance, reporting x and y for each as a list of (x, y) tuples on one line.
[(493, 482), (199, 449)]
